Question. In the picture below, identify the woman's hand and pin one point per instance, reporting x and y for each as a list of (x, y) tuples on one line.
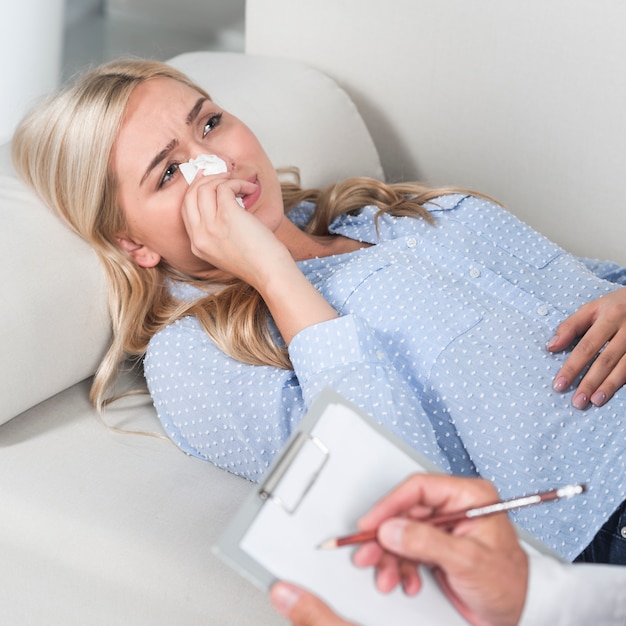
[(225, 235), (233, 240), (601, 326)]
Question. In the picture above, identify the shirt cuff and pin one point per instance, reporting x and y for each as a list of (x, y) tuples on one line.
[(334, 344), (565, 594)]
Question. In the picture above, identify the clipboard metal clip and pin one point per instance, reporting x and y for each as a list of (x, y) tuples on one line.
[(296, 472)]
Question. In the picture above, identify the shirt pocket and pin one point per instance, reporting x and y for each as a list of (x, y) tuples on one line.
[(500, 229), (409, 312)]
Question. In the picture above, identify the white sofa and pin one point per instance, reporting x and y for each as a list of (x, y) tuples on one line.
[(521, 100)]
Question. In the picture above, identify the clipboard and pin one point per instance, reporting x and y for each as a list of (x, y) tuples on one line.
[(335, 467)]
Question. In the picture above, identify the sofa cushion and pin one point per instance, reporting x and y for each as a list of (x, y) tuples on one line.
[(55, 327)]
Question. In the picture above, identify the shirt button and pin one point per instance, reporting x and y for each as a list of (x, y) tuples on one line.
[(622, 532), (542, 310), (474, 272), (411, 242)]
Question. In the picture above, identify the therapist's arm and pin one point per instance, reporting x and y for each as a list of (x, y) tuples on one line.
[(559, 594), (562, 594)]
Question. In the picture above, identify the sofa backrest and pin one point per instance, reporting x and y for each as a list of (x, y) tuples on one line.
[(54, 327)]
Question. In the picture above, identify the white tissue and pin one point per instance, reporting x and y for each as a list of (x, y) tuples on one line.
[(208, 163)]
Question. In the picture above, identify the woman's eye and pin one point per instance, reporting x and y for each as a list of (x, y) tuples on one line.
[(211, 123), (168, 174)]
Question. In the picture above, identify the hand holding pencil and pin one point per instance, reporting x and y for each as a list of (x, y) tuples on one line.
[(478, 563), (485, 548)]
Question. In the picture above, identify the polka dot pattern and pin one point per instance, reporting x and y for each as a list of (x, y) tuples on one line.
[(441, 338)]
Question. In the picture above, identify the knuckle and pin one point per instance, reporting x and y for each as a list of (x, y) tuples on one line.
[(486, 488), (607, 360), (587, 347)]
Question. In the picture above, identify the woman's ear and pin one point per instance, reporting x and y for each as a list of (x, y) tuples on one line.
[(140, 254)]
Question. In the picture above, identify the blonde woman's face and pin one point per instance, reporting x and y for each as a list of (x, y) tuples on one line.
[(167, 123)]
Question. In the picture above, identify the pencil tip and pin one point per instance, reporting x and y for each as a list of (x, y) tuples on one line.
[(327, 545)]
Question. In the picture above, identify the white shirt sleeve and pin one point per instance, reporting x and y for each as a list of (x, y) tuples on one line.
[(564, 594)]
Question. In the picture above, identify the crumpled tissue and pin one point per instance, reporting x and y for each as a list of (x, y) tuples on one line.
[(209, 164)]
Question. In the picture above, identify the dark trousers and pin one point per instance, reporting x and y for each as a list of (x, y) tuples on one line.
[(609, 544)]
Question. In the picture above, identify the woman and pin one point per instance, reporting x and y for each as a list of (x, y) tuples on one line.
[(432, 314)]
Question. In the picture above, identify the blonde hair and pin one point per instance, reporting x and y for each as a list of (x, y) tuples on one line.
[(63, 148)]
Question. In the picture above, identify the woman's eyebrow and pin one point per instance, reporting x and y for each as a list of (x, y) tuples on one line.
[(191, 116), (195, 110), (158, 158)]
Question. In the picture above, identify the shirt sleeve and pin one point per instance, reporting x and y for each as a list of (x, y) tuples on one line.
[(235, 415), (346, 354), (561, 594), (608, 270), (239, 416)]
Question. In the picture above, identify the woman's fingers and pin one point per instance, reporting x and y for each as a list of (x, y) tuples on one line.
[(601, 326)]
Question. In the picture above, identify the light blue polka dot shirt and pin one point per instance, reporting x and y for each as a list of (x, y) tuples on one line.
[(441, 338)]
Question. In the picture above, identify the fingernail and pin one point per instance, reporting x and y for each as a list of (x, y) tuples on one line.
[(391, 532), (580, 400), (552, 342), (560, 384), (598, 398), (284, 597)]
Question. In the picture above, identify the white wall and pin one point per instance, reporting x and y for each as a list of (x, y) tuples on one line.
[(525, 100), (76, 10), (31, 38), (194, 16), (151, 28)]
